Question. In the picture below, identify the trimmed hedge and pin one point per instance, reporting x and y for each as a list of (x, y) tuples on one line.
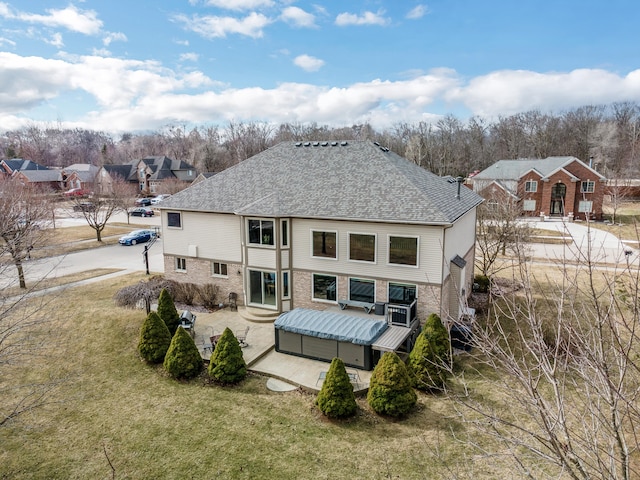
[(227, 363), (336, 398), (183, 359), (154, 339), (390, 390)]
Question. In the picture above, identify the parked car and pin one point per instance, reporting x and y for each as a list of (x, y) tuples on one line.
[(76, 192), (143, 202), (137, 236), (141, 212), (159, 198), (84, 207)]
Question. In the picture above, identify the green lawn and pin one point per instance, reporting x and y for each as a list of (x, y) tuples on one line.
[(112, 408)]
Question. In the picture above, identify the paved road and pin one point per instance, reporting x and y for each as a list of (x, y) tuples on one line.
[(602, 246)]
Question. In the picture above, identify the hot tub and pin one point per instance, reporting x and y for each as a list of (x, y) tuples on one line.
[(322, 335)]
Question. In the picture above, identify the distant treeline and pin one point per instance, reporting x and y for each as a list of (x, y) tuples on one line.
[(606, 135)]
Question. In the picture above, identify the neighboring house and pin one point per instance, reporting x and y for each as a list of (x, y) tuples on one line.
[(203, 176), (553, 186), (308, 224), (44, 180), (10, 166), (79, 175), (148, 173)]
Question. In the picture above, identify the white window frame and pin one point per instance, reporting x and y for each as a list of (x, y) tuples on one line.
[(587, 186), (285, 233), (528, 205), (219, 264), (400, 284), (363, 280), (312, 231), (273, 233), (181, 264), (323, 300), (286, 293), (375, 247), (417, 265), (585, 206), (531, 186)]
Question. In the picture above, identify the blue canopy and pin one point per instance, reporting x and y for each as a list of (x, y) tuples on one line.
[(330, 325)]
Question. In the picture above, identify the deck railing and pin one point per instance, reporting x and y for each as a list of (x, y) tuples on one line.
[(401, 315)]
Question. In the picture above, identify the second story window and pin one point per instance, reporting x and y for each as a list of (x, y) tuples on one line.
[(261, 232), (588, 186), (403, 250), (323, 244), (362, 247), (531, 186)]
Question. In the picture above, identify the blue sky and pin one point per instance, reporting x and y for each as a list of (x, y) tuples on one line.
[(142, 65)]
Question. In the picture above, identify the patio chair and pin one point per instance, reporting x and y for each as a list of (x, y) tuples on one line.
[(233, 301), (242, 338)]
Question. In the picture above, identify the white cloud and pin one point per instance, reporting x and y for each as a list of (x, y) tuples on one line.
[(240, 4), (297, 17), (189, 57), (308, 63), (367, 18), (130, 95), (417, 12), (71, 18), (7, 41), (56, 40), (113, 37), (218, 27)]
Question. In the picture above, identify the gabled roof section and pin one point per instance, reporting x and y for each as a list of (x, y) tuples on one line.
[(84, 171), (122, 171), (356, 180), (163, 167), (516, 169), (19, 164), (35, 176)]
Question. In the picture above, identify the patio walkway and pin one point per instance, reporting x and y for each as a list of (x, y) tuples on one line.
[(260, 353)]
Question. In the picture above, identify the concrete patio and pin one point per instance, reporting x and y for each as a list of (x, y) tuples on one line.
[(260, 354)]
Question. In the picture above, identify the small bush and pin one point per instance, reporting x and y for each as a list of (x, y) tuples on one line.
[(183, 359), (208, 294), (185, 292), (390, 390), (154, 339), (429, 361), (336, 398), (167, 311), (481, 283), (227, 363)]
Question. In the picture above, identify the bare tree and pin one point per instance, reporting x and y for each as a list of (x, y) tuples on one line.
[(560, 352), (98, 211), (499, 230), (23, 216)]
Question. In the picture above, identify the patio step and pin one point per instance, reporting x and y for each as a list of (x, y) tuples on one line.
[(257, 315)]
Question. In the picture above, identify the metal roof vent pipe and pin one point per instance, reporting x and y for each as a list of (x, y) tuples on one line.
[(459, 180)]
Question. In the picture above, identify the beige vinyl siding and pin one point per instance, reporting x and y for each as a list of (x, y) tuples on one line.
[(461, 236), (217, 236), (261, 258), (429, 250)]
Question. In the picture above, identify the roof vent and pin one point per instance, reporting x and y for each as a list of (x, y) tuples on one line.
[(343, 143), (307, 144), (316, 144)]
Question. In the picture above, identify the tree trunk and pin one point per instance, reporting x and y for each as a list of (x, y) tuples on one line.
[(18, 264)]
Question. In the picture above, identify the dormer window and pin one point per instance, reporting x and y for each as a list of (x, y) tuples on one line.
[(531, 186)]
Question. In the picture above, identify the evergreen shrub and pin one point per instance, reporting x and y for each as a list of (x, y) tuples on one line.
[(390, 390), (167, 311), (429, 361), (336, 398), (183, 358), (227, 363), (154, 339)]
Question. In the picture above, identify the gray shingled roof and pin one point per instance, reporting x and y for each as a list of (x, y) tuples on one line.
[(20, 164), (514, 169), (356, 181)]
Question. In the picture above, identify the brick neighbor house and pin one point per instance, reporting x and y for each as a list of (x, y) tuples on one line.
[(553, 186)]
